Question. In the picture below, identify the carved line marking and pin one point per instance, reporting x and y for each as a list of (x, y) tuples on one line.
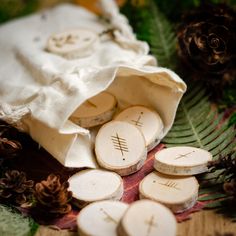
[(183, 155), (69, 39), (170, 184), (119, 144), (90, 104), (108, 218), (150, 224), (138, 122)]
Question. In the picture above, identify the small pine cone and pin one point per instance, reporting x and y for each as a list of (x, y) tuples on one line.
[(52, 196), (8, 147), (207, 42), (15, 188)]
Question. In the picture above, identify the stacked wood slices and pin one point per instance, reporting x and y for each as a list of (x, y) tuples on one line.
[(121, 145)]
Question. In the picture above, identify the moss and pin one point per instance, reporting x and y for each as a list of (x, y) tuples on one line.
[(13, 223)]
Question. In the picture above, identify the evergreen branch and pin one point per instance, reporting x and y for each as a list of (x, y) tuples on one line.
[(152, 26)]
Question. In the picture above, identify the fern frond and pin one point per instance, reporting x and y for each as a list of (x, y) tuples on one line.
[(216, 188), (212, 197), (198, 124), (152, 26)]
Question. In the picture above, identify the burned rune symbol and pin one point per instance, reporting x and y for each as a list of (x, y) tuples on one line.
[(61, 41), (150, 224), (88, 103), (108, 218), (138, 122), (170, 184), (183, 155), (119, 144)]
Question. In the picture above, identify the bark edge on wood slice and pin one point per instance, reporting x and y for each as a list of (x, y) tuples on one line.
[(146, 217), (182, 160), (95, 185), (104, 216), (95, 111), (146, 120), (120, 147), (175, 192)]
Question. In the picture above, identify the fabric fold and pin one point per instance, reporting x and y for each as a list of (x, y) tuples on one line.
[(50, 88)]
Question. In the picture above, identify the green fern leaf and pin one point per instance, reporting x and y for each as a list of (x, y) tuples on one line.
[(198, 124), (222, 207), (215, 188), (152, 26), (212, 197), (232, 120), (13, 223), (212, 175), (214, 204)]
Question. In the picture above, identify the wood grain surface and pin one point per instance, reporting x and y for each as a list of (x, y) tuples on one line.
[(203, 223)]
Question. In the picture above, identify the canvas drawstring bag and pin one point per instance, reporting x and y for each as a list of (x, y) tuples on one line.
[(40, 90)]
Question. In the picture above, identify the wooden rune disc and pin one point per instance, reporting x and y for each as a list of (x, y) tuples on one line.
[(182, 160), (95, 111), (120, 147), (94, 185), (100, 218), (147, 218), (73, 44), (176, 192), (146, 120)]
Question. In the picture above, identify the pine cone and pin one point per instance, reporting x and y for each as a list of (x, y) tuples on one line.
[(8, 147), (15, 188), (207, 40), (52, 196)]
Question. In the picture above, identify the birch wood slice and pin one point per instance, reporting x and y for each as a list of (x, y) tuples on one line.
[(95, 111), (120, 147), (94, 185), (146, 120), (175, 192), (100, 218), (182, 160), (147, 218), (73, 44)]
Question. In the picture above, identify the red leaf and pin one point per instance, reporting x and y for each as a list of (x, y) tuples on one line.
[(131, 182), (31, 162)]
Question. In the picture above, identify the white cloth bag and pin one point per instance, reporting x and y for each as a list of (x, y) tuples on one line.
[(40, 90)]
